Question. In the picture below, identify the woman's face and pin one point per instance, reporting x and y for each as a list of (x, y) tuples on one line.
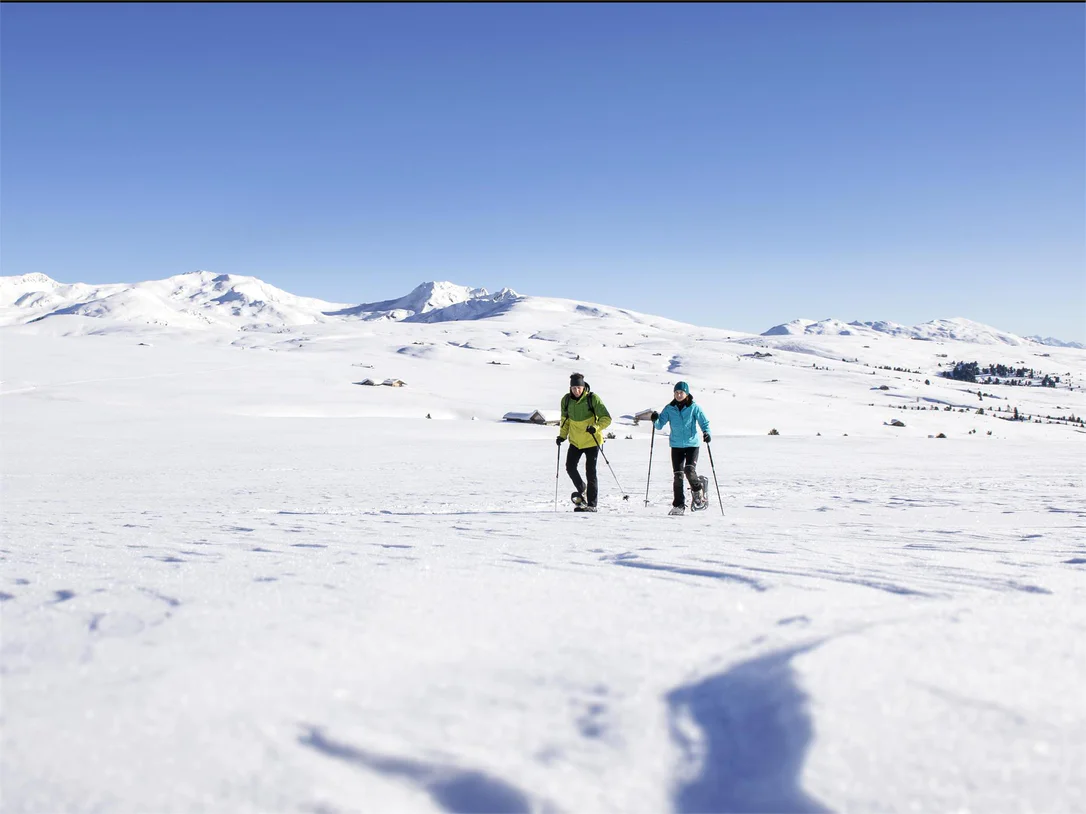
[(680, 395)]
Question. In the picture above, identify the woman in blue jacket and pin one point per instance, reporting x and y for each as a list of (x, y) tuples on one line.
[(685, 417)]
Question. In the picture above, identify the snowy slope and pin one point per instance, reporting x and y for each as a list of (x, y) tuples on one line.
[(515, 350), (234, 580)]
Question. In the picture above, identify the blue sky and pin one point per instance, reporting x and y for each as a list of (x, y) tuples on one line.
[(728, 165)]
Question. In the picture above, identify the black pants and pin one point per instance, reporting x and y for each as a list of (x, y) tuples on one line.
[(591, 455), (684, 461)]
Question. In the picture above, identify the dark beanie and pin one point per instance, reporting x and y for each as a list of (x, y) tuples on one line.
[(683, 386), (576, 380)]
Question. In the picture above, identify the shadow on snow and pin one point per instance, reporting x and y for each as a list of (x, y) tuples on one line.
[(634, 561), (453, 788), (755, 731)]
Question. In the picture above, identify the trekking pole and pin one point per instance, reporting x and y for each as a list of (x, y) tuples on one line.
[(713, 467), (557, 466), (599, 446), (649, 478)]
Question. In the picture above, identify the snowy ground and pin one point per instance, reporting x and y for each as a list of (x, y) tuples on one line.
[(234, 581)]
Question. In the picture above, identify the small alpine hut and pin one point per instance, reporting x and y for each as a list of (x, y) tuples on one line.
[(642, 415), (534, 417), (386, 383)]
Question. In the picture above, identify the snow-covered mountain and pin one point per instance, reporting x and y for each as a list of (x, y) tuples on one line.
[(435, 302), (798, 327), (958, 329), (191, 300), (428, 297), (202, 299), (478, 307), (1056, 343)]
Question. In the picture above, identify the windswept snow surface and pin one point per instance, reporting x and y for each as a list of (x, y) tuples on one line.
[(235, 580)]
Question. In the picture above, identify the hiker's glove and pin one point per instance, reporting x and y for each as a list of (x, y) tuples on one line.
[(591, 430), (559, 440), (655, 415), (706, 437)]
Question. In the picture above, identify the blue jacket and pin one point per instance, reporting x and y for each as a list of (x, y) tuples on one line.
[(684, 421)]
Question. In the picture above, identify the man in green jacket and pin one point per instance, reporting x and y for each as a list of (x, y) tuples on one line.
[(584, 418)]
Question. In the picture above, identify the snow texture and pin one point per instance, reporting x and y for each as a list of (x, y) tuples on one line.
[(234, 581)]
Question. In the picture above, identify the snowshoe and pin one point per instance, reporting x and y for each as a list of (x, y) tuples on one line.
[(701, 497), (584, 508), (677, 510), (578, 499)]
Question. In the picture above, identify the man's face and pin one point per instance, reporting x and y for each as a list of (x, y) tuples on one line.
[(576, 390)]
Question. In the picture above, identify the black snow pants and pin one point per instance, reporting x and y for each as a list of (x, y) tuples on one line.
[(684, 461), (591, 455)]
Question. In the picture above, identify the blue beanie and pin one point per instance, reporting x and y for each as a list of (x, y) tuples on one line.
[(683, 386)]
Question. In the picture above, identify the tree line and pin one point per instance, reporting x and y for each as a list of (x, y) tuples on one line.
[(998, 374)]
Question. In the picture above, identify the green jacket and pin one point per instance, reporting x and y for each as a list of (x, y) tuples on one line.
[(580, 414)]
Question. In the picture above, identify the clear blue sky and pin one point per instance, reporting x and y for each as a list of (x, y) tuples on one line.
[(728, 165)]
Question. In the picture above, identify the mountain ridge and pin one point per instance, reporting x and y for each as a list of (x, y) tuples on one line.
[(202, 298), (960, 329)]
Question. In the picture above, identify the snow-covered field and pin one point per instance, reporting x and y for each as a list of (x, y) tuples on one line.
[(235, 580)]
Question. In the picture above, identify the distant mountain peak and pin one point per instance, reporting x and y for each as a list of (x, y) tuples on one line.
[(428, 296), (193, 300), (435, 301), (34, 278), (957, 329), (1056, 343), (26, 288)]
